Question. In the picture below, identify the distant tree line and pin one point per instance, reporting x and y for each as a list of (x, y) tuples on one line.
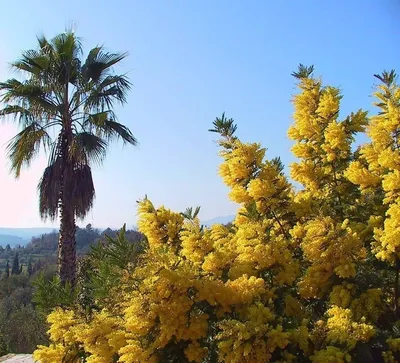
[(18, 268), (46, 244)]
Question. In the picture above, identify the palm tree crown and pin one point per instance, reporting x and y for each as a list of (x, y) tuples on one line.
[(60, 91)]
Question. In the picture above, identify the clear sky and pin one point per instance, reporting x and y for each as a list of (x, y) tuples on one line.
[(190, 61)]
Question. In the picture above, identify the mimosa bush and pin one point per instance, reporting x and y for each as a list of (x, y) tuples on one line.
[(305, 274)]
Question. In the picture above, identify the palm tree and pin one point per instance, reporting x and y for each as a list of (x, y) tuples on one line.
[(73, 98)]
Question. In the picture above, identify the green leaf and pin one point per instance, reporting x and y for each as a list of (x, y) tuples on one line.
[(225, 127), (87, 147), (303, 71), (23, 147)]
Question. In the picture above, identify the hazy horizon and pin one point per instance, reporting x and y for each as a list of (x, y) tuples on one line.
[(215, 219)]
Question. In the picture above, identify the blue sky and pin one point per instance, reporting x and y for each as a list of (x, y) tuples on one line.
[(190, 61)]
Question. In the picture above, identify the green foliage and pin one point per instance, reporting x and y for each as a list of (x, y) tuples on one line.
[(387, 77), (22, 326), (303, 71), (10, 284), (190, 213), (225, 127), (50, 293), (98, 273), (118, 251), (102, 269)]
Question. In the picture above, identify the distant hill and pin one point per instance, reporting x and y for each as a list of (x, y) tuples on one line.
[(6, 239), (46, 243), (218, 220), (22, 236)]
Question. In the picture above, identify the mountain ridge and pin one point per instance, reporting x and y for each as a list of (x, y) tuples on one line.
[(7, 239), (218, 220), (15, 236)]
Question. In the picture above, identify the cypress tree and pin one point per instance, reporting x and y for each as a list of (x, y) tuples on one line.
[(30, 268), (7, 269), (15, 267)]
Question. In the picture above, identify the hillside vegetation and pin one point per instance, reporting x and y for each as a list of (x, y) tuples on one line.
[(24, 273), (44, 247)]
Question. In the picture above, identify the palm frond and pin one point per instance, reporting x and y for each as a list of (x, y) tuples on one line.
[(117, 81), (114, 129), (99, 118), (28, 94), (98, 63), (49, 76), (107, 128), (33, 62), (44, 44), (87, 147), (110, 89), (66, 60), (67, 46), (22, 114), (23, 147)]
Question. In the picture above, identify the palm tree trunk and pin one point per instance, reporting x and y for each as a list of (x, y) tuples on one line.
[(67, 244)]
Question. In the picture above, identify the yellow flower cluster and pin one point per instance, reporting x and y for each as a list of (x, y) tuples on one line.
[(322, 142), (361, 176), (301, 337), (252, 339), (394, 344), (388, 357), (368, 305), (241, 162), (331, 248), (379, 165), (341, 295), (343, 329), (252, 179), (195, 244), (332, 355), (160, 226), (387, 245), (70, 334)]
